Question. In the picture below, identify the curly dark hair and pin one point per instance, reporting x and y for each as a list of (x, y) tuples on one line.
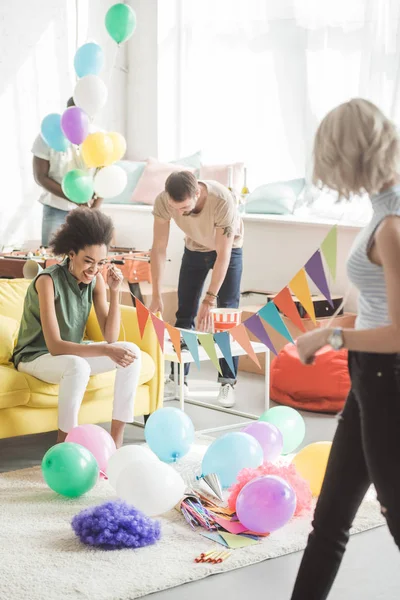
[(83, 227)]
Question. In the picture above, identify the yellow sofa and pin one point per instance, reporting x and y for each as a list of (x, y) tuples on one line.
[(28, 405)]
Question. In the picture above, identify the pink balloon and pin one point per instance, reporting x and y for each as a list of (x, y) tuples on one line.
[(75, 124), (266, 504), (97, 440), (269, 438)]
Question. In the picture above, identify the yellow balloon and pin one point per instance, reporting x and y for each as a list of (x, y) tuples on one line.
[(119, 146), (311, 463), (97, 150)]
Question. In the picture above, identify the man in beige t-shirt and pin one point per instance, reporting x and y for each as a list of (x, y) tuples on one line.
[(206, 211)]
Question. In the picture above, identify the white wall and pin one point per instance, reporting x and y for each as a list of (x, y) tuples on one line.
[(37, 43)]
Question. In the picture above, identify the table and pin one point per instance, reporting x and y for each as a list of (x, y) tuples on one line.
[(11, 266), (171, 356)]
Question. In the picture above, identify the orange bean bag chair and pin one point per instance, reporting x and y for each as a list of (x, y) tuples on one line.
[(321, 387)]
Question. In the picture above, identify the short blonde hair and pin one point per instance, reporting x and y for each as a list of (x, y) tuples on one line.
[(356, 149)]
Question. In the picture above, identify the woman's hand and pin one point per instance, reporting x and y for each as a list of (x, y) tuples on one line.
[(114, 278), (120, 355), (309, 343), (204, 317)]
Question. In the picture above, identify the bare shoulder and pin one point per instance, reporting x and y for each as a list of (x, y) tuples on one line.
[(44, 284), (388, 232)]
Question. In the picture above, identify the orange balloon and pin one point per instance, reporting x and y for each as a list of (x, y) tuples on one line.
[(97, 150), (119, 146)]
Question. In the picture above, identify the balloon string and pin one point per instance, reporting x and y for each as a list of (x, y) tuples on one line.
[(113, 64)]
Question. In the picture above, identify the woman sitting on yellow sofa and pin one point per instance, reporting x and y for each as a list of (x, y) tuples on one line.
[(57, 305)]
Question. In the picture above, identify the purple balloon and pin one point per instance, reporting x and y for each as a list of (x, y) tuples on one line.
[(269, 438), (266, 504), (75, 124)]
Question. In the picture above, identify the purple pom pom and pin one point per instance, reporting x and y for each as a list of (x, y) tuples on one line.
[(115, 525)]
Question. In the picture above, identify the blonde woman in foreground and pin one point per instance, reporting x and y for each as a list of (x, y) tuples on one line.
[(358, 149)]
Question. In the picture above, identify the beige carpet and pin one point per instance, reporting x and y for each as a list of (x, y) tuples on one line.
[(41, 559)]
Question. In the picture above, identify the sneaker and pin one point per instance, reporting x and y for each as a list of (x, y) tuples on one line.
[(170, 391), (226, 396)]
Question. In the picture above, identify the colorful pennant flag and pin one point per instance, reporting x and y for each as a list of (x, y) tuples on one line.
[(239, 334), (192, 344), (315, 270), (299, 287), (159, 327), (286, 305), (175, 336), (255, 325), (142, 316), (207, 341), (329, 250), (270, 314), (223, 341)]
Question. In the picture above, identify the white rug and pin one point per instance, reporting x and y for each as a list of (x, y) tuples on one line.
[(41, 559)]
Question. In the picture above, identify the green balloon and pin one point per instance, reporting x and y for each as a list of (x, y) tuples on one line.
[(120, 22), (289, 422), (77, 185), (70, 469)]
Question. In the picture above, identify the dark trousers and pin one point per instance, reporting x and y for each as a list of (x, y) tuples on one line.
[(365, 450), (194, 270)]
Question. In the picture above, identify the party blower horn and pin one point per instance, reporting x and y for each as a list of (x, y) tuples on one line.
[(31, 269), (213, 483)]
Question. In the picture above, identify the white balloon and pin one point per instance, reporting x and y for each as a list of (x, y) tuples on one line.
[(90, 94), (152, 487), (110, 181), (125, 456)]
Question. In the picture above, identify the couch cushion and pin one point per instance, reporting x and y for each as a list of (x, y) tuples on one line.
[(8, 336), (12, 296), (45, 395), (14, 389)]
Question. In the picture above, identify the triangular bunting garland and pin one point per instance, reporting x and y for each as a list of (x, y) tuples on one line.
[(175, 336), (239, 334), (255, 325), (207, 341), (329, 250), (315, 270), (299, 287), (286, 305), (191, 342), (159, 326), (142, 315), (223, 341), (269, 313)]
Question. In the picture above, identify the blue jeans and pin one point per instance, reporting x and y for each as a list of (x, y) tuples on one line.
[(52, 220), (194, 270)]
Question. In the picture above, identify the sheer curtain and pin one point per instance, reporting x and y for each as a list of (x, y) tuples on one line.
[(249, 80)]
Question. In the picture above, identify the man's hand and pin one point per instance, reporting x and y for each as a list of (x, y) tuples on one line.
[(157, 305), (204, 317)]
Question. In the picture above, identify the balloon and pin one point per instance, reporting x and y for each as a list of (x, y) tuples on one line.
[(170, 433), (266, 504), (152, 487), (290, 423), (97, 149), (70, 469), (77, 185), (97, 440), (90, 94), (231, 453), (125, 456), (120, 22), (119, 146), (75, 124), (89, 59), (52, 133), (110, 181), (269, 438), (311, 464)]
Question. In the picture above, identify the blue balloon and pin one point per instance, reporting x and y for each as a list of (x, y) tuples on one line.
[(231, 453), (52, 133), (169, 432), (89, 59)]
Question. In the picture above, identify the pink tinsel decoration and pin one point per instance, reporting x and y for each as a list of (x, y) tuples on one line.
[(287, 472)]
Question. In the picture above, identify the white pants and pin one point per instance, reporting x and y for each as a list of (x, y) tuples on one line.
[(72, 374)]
